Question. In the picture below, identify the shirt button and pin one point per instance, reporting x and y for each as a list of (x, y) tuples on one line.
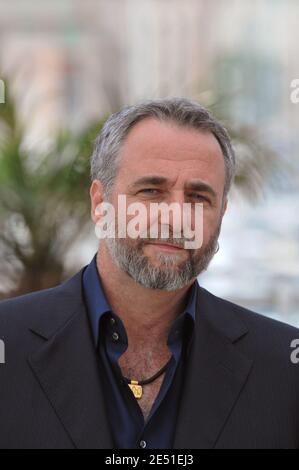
[(112, 321), (143, 444), (115, 337)]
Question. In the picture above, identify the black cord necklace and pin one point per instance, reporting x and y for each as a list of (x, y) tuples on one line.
[(136, 387)]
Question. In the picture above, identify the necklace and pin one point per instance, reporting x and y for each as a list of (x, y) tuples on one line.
[(136, 387)]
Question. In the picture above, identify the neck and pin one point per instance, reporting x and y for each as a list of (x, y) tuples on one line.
[(147, 314)]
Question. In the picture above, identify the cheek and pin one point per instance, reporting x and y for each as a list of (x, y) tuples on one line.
[(211, 221)]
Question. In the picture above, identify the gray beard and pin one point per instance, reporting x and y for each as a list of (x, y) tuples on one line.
[(170, 275)]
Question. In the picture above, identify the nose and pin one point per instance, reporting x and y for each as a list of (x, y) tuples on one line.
[(175, 204)]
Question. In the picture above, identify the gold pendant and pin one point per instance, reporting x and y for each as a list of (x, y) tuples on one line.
[(136, 389)]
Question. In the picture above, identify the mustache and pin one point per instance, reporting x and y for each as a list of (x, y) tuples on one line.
[(178, 242)]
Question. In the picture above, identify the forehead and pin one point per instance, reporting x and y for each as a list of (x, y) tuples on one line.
[(173, 151)]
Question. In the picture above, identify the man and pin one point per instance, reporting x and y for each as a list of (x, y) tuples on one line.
[(132, 352)]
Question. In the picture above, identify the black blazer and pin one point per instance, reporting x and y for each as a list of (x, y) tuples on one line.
[(241, 389)]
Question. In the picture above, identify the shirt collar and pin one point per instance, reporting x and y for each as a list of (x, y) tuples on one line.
[(98, 305)]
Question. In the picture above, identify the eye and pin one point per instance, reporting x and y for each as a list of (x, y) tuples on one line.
[(199, 197), (149, 191)]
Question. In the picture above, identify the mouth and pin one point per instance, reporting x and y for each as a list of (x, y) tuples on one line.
[(166, 247)]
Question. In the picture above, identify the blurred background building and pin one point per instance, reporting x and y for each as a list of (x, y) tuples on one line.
[(71, 63)]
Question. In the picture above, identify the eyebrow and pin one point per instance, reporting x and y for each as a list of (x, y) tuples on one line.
[(154, 180), (200, 186)]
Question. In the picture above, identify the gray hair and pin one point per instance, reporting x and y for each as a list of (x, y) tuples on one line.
[(182, 111)]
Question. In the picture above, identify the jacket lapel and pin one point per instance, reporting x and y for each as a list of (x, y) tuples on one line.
[(67, 370), (215, 376)]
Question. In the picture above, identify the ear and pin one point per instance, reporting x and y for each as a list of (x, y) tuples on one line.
[(96, 197)]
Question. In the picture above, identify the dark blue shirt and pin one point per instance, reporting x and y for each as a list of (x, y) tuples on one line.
[(128, 426)]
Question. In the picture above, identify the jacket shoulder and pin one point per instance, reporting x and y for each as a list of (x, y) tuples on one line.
[(19, 312), (263, 337), (263, 323)]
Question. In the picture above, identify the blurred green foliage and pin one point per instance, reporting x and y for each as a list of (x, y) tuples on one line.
[(44, 203)]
